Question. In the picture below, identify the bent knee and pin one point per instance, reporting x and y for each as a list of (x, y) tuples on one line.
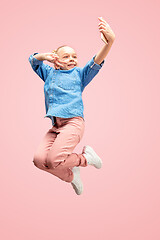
[(39, 162)]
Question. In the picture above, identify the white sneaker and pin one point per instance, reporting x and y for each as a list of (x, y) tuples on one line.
[(76, 182), (91, 157)]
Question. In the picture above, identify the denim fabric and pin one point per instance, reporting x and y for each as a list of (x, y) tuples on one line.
[(63, 88)]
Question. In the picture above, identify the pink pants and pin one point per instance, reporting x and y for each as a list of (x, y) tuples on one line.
[(54, 154)]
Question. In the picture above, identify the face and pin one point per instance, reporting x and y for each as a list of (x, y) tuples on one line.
[(68, 56)]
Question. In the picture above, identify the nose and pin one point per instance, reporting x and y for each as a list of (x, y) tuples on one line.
[(71, 58)]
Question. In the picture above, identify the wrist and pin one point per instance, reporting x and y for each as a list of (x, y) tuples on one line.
[(110, 41), (44, 56), (40, 56), (112, 38)]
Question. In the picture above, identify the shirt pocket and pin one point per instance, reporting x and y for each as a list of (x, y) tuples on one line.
[(69, 83), (66, 85)]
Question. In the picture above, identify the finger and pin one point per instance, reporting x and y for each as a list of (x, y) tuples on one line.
[(61, 61), (102, 20), (56, 57), (105, 40), (104, 24), (101, 23), (59, 64), (102, 28), (56, 66)]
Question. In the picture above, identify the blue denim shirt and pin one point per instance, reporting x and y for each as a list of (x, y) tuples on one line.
[(63, 88)]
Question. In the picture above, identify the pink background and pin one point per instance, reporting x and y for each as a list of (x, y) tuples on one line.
[(121, 201)]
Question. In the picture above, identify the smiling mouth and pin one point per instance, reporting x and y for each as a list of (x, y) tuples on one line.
[(72, 64)]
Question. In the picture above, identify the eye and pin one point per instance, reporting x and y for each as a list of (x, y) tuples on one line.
[(65, 56), (75, 56)]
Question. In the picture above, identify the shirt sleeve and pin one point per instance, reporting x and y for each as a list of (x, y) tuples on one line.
[(89, 71), (39, 67)]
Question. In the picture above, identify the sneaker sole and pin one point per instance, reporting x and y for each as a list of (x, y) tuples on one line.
[(94, 154), (78, 192)]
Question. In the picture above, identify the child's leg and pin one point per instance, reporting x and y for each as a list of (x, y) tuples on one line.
[(54, 153), (44, 147), (60, 159)]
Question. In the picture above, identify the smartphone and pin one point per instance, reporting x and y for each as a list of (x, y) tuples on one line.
[(103, 38)]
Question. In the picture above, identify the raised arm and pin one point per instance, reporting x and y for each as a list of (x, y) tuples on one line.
[(43, 70), (108, 37), (50, 57)]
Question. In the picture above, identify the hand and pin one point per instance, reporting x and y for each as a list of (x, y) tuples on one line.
[(54, 58), (106, 30)]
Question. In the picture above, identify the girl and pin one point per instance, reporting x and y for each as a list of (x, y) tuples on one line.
[(63, 89)]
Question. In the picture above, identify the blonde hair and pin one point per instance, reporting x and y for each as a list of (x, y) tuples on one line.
[(56, 50)]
